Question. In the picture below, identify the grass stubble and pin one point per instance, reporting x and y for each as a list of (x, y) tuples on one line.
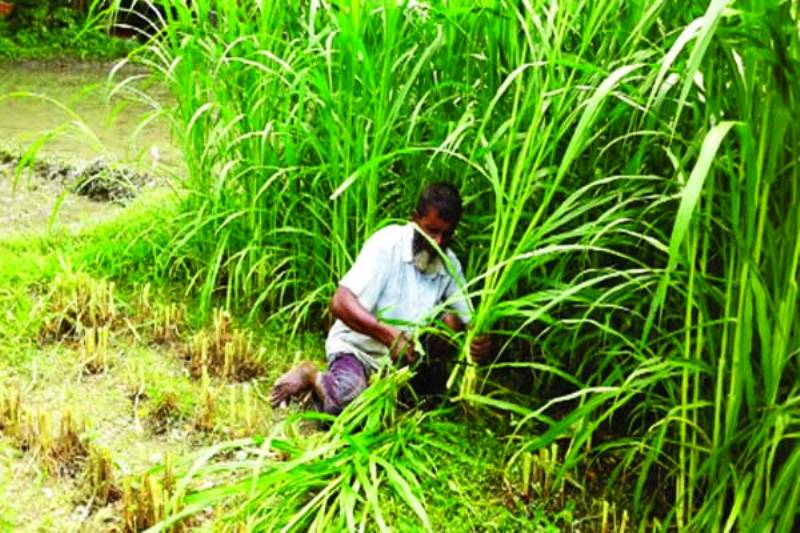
[(103, 401)]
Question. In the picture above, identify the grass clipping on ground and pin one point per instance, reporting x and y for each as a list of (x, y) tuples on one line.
[(338, 478)]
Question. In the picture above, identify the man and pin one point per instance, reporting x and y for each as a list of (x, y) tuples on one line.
[(396, 283)]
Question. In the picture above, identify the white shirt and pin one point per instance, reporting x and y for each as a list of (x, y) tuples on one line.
[(387, 283)]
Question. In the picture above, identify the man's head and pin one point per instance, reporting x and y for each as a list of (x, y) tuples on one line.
[(444, 197), (437, 214)]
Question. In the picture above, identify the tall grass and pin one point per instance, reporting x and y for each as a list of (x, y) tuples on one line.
[(632, 214)]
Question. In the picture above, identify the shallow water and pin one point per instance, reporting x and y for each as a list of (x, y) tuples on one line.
[(69, 103), (82, 89)]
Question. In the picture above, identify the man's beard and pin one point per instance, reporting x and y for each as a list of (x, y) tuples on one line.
[(426, 259)]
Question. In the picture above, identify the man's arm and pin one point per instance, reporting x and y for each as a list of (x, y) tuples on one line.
[(346, 307), (481, 346)]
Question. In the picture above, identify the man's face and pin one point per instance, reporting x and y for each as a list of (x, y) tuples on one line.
[(439, 231)]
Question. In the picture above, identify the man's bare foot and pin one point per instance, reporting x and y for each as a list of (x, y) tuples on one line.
[(294, 382)]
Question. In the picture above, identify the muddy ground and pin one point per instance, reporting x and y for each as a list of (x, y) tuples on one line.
[(52, 195)]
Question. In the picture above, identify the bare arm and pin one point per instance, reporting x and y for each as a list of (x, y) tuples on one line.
[(481, 346), (346, 307)]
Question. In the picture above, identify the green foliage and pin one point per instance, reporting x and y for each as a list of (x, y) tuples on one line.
[(44, 15), (134, 260), (632, 219), (374, 465), (20, 267), (56, 30)]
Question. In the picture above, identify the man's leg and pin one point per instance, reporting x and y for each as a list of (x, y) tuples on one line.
[(333, 390), (295, 382), (341, 384)]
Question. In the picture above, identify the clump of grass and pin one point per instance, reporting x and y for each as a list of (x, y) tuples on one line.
[(10, 413), (167, 321), (94, 350), (164, 321), (538, 473), (143, 503), (77, 301), (165, 412), (224, 351), (242, 412), (205, 415), (612, 520), (60, 449), (98, 478), (146, 499)]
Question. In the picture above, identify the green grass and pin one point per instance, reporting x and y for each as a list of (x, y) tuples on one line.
[(631, 236)]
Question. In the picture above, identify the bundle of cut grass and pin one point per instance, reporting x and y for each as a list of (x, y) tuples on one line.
[(297, 479)]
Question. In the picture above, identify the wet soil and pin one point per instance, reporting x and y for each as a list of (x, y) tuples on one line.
[(92, 151), (50, 194)]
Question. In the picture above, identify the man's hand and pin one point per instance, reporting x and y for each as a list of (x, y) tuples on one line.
[(480, 348), (345, 307), (402, 347)]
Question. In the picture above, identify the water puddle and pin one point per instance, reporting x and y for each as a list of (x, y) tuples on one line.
[(64, 111), (72, 103)]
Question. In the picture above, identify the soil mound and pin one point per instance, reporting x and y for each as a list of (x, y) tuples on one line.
[(99, 180)]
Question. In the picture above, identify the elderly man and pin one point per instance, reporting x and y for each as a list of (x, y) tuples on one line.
[(397, 282)]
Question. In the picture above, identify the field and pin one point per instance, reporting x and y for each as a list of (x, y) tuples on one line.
[(631, 242)]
